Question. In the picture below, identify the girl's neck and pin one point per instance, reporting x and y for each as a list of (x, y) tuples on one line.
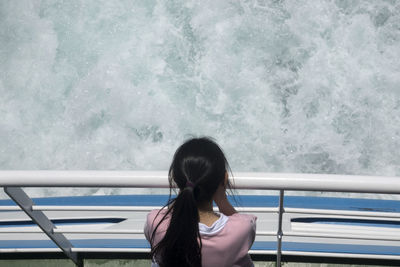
[(205, 207), (206, 214)]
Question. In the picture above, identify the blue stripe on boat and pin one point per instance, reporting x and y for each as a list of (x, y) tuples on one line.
[(258, 245), (341, 248), (329, 203)]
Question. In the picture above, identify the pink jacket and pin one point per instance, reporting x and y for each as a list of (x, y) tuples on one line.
[(225, 243)]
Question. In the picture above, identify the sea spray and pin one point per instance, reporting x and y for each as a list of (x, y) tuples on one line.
[(283, 86)]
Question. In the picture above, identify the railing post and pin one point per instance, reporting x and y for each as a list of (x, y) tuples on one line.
[(38, 217), (279, 234)]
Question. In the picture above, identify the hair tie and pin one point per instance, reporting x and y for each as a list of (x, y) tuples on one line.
[(189, 184)]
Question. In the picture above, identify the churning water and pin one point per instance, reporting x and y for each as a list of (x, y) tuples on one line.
[(283, 86)]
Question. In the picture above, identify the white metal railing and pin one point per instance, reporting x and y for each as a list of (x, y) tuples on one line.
[(12, 180), (272, 181)]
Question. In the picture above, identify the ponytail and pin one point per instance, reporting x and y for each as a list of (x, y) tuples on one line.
[(198, 169), (181, 245)]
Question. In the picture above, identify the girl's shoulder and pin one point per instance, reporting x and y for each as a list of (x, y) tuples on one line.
[(156, 215), (236, 220), (154, 218), (243, 217), (242, 223), (156, 212)]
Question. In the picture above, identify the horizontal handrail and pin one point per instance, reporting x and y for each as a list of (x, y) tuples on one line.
[(122, 208), (242, 180)]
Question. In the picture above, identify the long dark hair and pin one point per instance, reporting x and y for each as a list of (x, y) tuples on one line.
[(197, 169)]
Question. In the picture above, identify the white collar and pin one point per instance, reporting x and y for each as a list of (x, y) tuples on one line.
[(217, 226)]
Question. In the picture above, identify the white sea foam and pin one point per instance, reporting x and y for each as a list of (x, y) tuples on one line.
[(284, 86)]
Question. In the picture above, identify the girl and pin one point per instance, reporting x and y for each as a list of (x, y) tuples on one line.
[(188, 232)]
